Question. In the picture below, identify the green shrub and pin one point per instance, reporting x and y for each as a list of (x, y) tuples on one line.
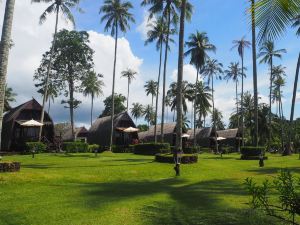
[(168, 158), (93, 148), (38, 147), (249, 152), (151, 148), (122, 149), (191, 150), (74, 147)]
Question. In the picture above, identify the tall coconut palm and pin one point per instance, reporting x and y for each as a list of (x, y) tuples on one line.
[(168, 103), (117, 16), (137, 110), (241, 45), (56, 7), (4, 52), (213, 69), (149, 114), (158, 32), (130, 75), (151, 89), (198, 45), (267, 53), (93, 87)]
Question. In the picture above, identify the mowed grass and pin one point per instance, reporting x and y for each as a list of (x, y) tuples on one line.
[(58, 189)]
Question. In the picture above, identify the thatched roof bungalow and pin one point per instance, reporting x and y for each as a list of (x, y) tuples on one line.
[(169, 133), (232, 136), (203, 136), (99, 133), (81, 133), (14, 135)]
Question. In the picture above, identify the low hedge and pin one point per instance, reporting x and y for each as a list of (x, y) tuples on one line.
[(205, 149), (151, 148), (93, 148), (191, 150), (122, 149), (244, 157), (252, 151), (185, 158), (75, 147), (10, 167), (37, 147)]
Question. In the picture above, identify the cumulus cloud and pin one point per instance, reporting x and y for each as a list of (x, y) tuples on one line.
[(143, 28), (189, 74)]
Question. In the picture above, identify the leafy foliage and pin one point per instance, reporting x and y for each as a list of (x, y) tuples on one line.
[(119, 105)]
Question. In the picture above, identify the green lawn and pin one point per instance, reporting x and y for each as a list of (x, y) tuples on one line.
[(129, 189)]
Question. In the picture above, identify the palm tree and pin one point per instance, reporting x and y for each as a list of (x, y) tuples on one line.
[(217, 121), (158, 32), (137, 110), (52, 92), (94, 87), (168, 103), (117, 16), (56, 6), (4, 52), (10, 97), (241, 45), (267, 52), (151, 89), (149, 114), (198, 45), (130, 75)]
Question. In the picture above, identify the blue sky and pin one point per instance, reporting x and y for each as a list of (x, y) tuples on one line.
[(224, 21)]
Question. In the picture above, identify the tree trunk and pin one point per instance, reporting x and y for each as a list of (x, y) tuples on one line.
[(254, 73), (71, 104), (195, 106), (237, 113), (157, 94), (270, 105), (213, 115), (242, 101), (113, 90), (164, 77), (128, 94), (48, 74), (4, 52), (49, 105), (92, 107), (281, 122), (179, 86)]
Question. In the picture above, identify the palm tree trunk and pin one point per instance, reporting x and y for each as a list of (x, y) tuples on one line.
[(179, 80), (242, 101), (195, 104), (270, 104), (128, 95), (237, 112), (92, 107), (49, 104), (4, 52), (164, 77), (294, 99), (157, 93), (213, 117), (71, 91), (281, 120), (254, 73), (113, 90), (48, 73)]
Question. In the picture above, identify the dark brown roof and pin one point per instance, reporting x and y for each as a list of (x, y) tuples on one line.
[(229, 133), (201, 133), (79, 132)]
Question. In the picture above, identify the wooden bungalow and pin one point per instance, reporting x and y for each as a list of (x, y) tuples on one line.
[(99, 133), (169, 134), (81, 134), (14, 135), (203, 136), (232, 137)]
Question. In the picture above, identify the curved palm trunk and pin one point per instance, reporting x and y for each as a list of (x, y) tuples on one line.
[(254, 73), (281, 121), (113, 90), (270, 104), (195, 104), (49, 105), (237, 111), (164, 77), (92, 107), (4, 52), (214, 118), (242, 101), (128, 94), (294, 100), (48, 74)]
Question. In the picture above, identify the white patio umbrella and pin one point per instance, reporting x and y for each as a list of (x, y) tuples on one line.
[(130, 130), (220, 138), (32, 123), (185, 136)]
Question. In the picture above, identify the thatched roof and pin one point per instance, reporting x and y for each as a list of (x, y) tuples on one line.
[(99, 133), (201, 133), (79, 132), (169, 128), (229, 133)]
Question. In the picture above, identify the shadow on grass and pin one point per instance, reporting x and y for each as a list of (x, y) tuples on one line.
[(273, 170), (8, 217)]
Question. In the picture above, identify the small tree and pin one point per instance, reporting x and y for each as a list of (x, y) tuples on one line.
[(119, 107)]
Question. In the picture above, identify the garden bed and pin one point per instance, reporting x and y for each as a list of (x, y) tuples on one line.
[(9, 167), (185, 158)]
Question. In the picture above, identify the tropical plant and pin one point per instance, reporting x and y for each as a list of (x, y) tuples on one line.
[(137, 110), (241, 45), (117, 16), (130, 75), (93, 87), (119, 107), (4, 52), (267, 53), (151, 89), (158, 32), (217, 120), (10, 96), (56, 6), (149, 114), (198, 45)]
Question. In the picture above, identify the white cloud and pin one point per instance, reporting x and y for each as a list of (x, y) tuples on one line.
[(143, 28), (298, 97), (189, 74)]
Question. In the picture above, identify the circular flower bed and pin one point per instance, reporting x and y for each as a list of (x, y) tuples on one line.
[(10, 167), (185, 158)]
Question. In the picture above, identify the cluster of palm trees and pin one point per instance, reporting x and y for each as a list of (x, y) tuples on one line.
[(271, 17)]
